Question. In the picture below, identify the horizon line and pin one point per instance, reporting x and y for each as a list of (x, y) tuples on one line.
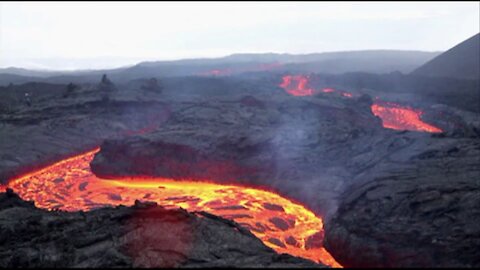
[(185, 59)]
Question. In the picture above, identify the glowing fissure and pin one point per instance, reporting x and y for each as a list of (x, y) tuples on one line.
[(281, 224), (394, 116)]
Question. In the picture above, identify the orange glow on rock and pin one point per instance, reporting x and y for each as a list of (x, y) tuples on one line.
[(399, 117), (283, 225)]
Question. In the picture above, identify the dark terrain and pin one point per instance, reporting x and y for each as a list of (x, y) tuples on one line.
[(389, 198), (461, 62), (142, 236), (373, 61)]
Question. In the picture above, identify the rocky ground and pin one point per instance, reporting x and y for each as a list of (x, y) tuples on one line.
[(389, 198), (416, 208), (142, 236)]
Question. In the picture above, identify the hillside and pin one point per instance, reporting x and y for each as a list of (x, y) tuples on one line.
[(461, 62), (373, 61)]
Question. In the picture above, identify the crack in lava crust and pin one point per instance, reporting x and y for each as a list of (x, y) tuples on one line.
[(281, 224)]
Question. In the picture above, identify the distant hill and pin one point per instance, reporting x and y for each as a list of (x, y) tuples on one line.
[(7, 78), (460, 62), (27, 72), (378, 61), (373, 61), (415, 56), (372, 57)]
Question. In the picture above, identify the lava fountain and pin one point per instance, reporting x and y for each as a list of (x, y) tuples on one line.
[(399, 117), (283, 225)]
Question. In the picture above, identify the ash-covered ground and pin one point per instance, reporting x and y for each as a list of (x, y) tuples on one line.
[(388, 197)]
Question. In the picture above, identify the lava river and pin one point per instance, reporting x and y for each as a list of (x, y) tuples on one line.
[(399, 117), (393, 115), (281, 224)]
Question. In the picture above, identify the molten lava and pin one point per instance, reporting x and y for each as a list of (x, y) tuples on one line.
[(216, 72), (393, 115), (281, 224), (399, 117), (328, 90), (296, 85)]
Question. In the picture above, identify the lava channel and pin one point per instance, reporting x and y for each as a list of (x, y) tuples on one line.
[(281, 224), (395, 116)]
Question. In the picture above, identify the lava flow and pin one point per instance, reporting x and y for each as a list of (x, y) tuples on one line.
[(394, 116), (298, 86), (281, 224), (297, 89), (399, 117)]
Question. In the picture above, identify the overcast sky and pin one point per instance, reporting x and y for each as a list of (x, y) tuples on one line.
[(85, 35)]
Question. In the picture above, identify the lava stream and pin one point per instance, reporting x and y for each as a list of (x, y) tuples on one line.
[(281, 224), (399, 117), (394, 116), (297, 85)]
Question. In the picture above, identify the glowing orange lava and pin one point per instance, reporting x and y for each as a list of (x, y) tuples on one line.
[(281, 224), (328, 90), (296, 85), (399, 117), (393, 115)]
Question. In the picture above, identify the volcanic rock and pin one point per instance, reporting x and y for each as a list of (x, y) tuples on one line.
[(297, 147), (415, 209), (322, 151), (461, 61), (144, 235)]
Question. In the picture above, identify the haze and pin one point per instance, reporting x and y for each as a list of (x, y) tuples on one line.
[(92, 35)]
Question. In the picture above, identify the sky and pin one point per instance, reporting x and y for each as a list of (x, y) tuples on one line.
[(94, 35)]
